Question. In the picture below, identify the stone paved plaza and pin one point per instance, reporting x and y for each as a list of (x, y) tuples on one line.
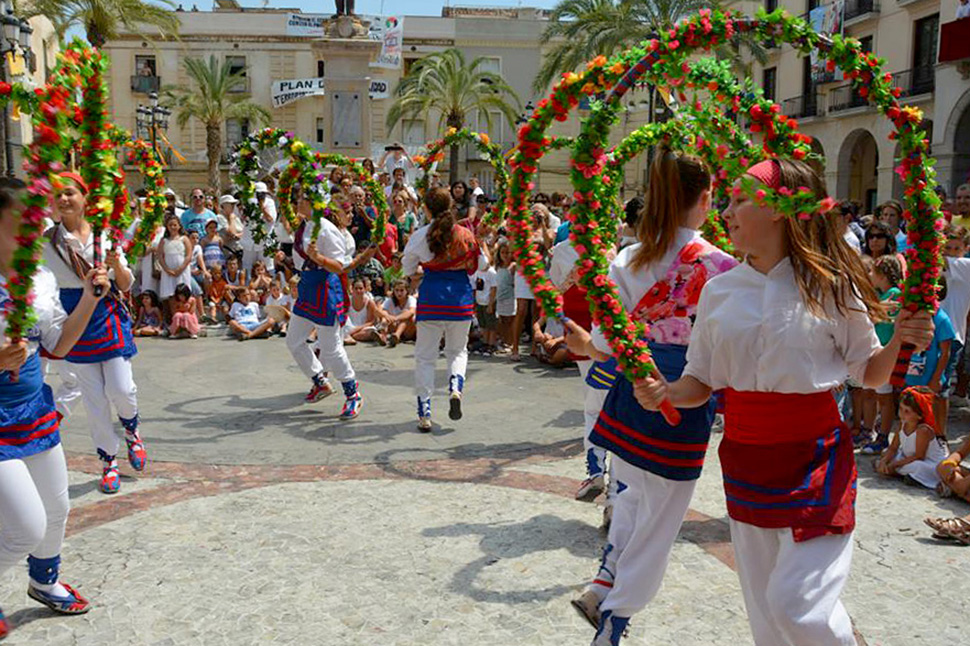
[(263, 520)]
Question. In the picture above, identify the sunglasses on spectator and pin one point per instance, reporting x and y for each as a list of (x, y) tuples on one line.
[(877, 236)]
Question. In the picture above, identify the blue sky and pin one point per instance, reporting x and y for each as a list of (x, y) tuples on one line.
[(371, 7)]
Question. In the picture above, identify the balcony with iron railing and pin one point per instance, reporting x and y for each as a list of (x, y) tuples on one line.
[(800, 107), (845, 97), (858, 8), (916, 81), (145, 84)]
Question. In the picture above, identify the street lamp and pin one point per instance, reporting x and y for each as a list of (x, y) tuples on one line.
[(152, 118), (15, 34)]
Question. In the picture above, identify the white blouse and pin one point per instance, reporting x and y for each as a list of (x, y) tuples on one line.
[(417, 252), (47, 306), (331, 243), (754, 333), (66, 278), (632, 284)]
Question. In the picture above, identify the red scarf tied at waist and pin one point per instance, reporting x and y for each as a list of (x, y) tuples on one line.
[(787, 461)]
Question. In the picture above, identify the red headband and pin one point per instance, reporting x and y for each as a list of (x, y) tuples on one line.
[(74, 177), (925, 403), (767, 172)]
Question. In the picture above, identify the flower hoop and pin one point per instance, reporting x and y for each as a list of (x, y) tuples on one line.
[(484, 145), (142, 155), (245, 170), (666, 61), (53, 111)]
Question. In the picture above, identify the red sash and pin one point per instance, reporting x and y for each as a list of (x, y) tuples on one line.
[(788, 462)]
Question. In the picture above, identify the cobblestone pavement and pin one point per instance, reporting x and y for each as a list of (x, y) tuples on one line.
[(260, 520)]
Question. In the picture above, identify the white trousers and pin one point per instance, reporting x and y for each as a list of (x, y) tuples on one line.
[(647, 516), (426, 345), (68, 393), (103, 385), (333, 355), (593, 399), (791, 590), (33, 507)]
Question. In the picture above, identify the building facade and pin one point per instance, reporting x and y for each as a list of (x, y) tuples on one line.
[(346, 119), (849, 133)]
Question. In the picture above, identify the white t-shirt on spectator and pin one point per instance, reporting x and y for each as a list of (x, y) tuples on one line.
[(963, 11), (483, 289), (285, 300), (957, 301), (391, 308), (245, 314)]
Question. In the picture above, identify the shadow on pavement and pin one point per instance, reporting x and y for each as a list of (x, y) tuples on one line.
[(511, 540)]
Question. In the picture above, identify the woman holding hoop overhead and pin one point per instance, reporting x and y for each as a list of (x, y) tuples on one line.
[(777, 334), (102, 358), (321, 304), (448, 254)]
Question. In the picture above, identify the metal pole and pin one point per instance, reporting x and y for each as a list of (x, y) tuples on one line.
[(7, 145)]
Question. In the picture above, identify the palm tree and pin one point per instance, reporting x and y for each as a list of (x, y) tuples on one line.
[(580, 30), (105, 19), (212, 98), (444, 83)]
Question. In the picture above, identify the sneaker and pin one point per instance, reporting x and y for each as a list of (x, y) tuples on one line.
[(351, 407), (863, 438), (591, 487), (424, 424), (110, 479), (454, 406), (392, 341), (137, 456), (877, 446), (588, 606), (72, 604), (319, 392)]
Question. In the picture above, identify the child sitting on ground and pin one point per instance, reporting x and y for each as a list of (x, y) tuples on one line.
[(954, 477), (259, 285), (244, 318), (284, 301), (550, 338), (917, 448), (362, 317), (184, 321), (395, 271), (149, 322), (398, 310)]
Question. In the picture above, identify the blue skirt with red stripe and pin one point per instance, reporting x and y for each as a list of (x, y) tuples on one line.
[(108, 334), (445, 296), (320, 298), (643, 438), (29, 423)]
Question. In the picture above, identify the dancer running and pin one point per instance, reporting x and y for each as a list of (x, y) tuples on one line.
[(321, 305), (778, 333), (101, 360), (448, 253), (659, 281), (33, 474)]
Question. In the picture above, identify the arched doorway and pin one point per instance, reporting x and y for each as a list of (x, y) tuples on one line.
[(927, 126), (858, 169), (961, 152)]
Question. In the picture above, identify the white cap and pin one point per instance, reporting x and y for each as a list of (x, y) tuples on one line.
[(169, 191), (228, 199), (261, 187)]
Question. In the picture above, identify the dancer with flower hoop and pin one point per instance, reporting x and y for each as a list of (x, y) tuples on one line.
[(322, 255), (448, 254), (101, 360), (777, 334), (34, 502), (660, 280)]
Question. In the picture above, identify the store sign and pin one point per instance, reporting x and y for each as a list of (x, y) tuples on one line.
[(307, 25), (379, 89), (295, 89)]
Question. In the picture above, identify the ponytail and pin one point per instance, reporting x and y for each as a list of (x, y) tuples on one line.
[(676, 183), (438, 203)]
